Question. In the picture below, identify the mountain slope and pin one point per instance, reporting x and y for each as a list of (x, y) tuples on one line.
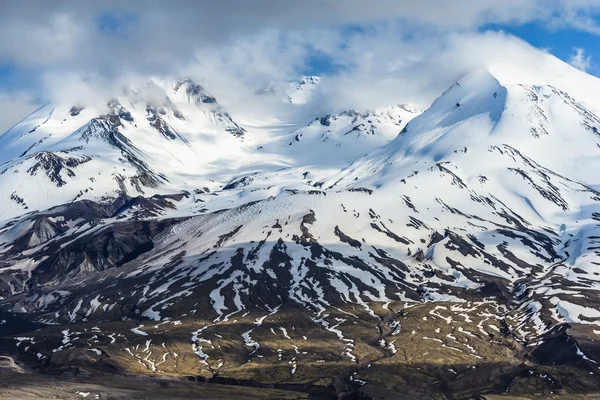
[(133, 144), (459, 257)]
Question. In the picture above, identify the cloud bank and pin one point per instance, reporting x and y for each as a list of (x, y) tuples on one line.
[(375, 52)]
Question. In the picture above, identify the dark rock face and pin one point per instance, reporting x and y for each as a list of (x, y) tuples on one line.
[(198, 95), (198, 92), (236, 131), (119, 111), (195, 92), (177, 114), (559, 348), (325, 121), (108, 248), (55, 164), (238, 182), (19, 200), (230, 125), (61, 257), (347, 239), (159, 124), (74, 111)]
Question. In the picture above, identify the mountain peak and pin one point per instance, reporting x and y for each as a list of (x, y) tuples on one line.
[(476, 114), (195, 92), (310, 80), (297, 92)]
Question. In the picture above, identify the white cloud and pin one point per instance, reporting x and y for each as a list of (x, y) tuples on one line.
[(13, 108), (378, 67), (66, 33), (387, 51), (580, 60)]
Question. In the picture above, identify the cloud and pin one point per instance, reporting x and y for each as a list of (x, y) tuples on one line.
[(15, 107), (112, 35), (580, 60), (381, 51), (384, 68)]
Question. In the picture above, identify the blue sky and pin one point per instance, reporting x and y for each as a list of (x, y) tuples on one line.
[(560, 42), (13, 78)]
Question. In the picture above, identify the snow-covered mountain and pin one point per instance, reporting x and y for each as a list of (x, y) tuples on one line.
[(350, 134), (299, 92), (174, 240), (134, 144)]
